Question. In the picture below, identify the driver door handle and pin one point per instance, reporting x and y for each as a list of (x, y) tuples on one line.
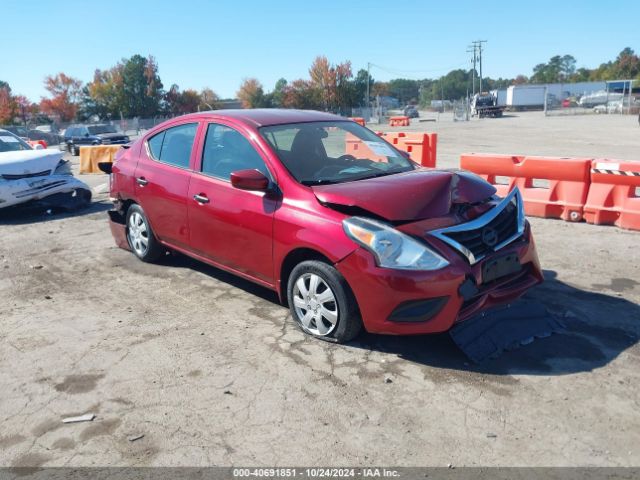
[(142, 181), (201, 199)]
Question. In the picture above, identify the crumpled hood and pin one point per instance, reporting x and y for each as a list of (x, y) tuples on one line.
[(29, 161), (410, 196)]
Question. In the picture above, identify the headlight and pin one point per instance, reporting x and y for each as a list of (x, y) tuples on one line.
[(392, 249)]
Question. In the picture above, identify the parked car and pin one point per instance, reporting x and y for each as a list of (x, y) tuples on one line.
[(17, 130), (37, 176), (342, 225), (410, 111), (76, 136)]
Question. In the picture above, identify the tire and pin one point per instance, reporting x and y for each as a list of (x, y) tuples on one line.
[(74, 150), (140, 237), (334, 319)]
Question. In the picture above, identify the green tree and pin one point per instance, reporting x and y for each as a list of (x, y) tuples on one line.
[(404, 90), (141, 87), (557, 69), (278, 92)]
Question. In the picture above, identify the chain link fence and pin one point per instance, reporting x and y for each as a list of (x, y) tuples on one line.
[(617, 98)]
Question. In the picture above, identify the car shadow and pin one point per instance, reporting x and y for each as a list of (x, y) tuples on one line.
[(23, 215), (598, 328), (178, 260)]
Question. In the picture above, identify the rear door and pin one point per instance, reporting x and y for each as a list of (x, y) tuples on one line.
[(162, 181), (232, 227)]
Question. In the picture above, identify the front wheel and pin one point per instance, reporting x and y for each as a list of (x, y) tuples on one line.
[(141, 239), (322, 303)]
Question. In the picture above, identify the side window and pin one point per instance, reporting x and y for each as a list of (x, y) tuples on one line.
[(155, 145), (71, 132), (226, 150), (173, 146)]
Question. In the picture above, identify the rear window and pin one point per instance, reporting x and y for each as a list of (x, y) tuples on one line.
[(174, 145), (98, 129)]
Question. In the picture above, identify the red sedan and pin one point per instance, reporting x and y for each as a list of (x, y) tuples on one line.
[(342, 225)]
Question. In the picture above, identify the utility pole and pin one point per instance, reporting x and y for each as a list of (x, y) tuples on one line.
[(368, 76), (473, 72), (478, 44)]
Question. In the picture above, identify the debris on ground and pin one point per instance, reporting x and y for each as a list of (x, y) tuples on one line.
[(505, 328), (88, 417), (388, 380), (133, 438)]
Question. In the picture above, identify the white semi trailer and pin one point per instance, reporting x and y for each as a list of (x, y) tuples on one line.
[(525, 97)]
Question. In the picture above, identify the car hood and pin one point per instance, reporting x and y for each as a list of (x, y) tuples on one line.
[(410, 196), (29, 161)]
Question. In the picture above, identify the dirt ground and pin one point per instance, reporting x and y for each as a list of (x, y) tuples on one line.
[(212, 371)]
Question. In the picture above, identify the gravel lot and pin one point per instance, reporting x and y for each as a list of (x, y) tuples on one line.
[(212, 371)]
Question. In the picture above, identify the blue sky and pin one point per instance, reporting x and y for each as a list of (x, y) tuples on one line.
[(216, 44)]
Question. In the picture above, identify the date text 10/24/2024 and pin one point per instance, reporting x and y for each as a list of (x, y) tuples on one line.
[(315, 472)]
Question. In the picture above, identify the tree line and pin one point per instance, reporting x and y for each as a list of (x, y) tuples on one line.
[(133, 88)]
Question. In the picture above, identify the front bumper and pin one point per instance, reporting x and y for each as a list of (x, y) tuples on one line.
[(34, 189), (443, 297)]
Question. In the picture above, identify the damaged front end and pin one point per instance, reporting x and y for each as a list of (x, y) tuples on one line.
[(40, 179)]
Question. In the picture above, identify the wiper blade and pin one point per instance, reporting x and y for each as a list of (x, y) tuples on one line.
[(311, 183), (379, 174)]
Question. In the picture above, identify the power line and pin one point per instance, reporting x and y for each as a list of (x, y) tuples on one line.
[(396, 71)]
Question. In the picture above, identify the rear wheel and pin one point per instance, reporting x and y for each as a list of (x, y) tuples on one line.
[(322, 303), (141, 239)]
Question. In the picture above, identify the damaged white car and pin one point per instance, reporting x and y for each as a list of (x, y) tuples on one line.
[(37, 177)]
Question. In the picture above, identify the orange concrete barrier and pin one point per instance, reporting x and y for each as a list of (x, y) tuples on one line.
[(399, 121), (614, 194), (33, 143), (90, 156), (491, 168), (358, 120), (551, 187), (421, 147)]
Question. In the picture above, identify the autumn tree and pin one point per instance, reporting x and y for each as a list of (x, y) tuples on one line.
[(65, 94), (301, 94), (104, 96), (7, 104), (209, 100), (251, 93)]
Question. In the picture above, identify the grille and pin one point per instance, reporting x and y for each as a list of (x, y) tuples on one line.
[(490, 232), (481, 241)]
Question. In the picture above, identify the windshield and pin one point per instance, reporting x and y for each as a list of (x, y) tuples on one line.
[(319, 153), (11, 143), (98, 129)]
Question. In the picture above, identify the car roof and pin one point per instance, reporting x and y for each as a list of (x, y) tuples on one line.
[(261, 117)]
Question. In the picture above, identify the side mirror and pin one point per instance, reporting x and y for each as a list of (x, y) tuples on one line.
[(249, 180), (405, 154), (105, 167)]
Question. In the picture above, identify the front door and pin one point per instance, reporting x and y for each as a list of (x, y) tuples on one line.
[(162, 182), (229, 226)]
